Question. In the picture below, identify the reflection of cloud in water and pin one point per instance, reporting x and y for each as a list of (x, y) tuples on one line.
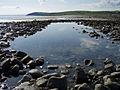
[(89, 43), (62, 29)]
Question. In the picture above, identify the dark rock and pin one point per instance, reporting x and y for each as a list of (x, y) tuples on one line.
[(107, 61), (115, 75), (40, 61), (101, 87), (35, 73), (92, 72), (41, 82), (15, 61), (84, 86), (88, 62), (68, 66), (26, 59), (64, 71), (4, 86), (47, 76), (80, 76), (5, 65), (22, 72), (109, 67), (57, 82), (84, 31), (25, 78), (52, 67), (21, 54), (15, 69), (31, 64)]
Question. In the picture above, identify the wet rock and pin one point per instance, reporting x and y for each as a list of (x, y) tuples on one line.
[(21, 54), (4, 86), (88, 62), (4, 44), (15, 61), (109, 67), (68, 66), (40, 61), (26, 86), (47, 76), (52, 67), (5, 65), (25, 78), (57, 82), (15, 70), (84, 31), (64, 71), (41, 82), (22, 72), (92, 72), (3, 79), (84, 86), (31, 64), (100, 73), (118, 68), (107, 61), (80, 76), (101, 87), (26, 59), (113, 85), (35, 73), (115, 75)]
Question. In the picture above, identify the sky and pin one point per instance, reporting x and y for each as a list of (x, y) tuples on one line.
[(16, 7)]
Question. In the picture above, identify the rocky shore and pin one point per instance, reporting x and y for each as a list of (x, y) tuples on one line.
[(14, 63)]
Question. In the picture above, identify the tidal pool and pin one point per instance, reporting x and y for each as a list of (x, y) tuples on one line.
[(62, 43)]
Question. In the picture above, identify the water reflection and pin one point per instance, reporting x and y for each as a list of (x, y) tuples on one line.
[(64, 43)]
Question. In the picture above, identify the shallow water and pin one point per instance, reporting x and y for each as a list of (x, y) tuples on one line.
[(62, 43)]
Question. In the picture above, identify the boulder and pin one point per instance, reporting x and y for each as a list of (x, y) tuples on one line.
[(40, 61), (41, 82), (21, 54), (84, 86), (26, 59), (47, 76), (57, 82), (25, 78), (88, 62), (101, 87), (52, 67), (80, 76), (15, 69), (31, 64), (35, 73)]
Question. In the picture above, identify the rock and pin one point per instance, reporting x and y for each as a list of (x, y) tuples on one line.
[(40, 61), (109, 67), (26, 59), (4, 86), (35, 73), (22, 72), (3, 79), (68, 66), (101, 87), (84, 86), (64, 71), (107, 61), (118, 68), (57, 82), (52, 67), (115, 75), (88, 62), (92, 72), (25, 78), (15, 61), (100, 73), (5, 65), (80, 76), (41, 82), (15, 70), (113, 85), (26, 86), (47, 76), (31, 64), (21, 54), (84, 31)]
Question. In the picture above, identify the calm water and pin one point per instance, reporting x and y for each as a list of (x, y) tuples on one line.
[(60, 43)]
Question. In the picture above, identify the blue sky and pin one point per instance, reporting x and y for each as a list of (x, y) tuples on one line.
[(28, 6)]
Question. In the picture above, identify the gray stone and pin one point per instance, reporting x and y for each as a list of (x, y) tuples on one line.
[(92, 72), (35, 73), (101, 87), (84, 86), (26, 59), (115, 75), (25, 78), (41, 82), (57, 82), (52, 67), (80, 76), (47, 76), (107, 61)]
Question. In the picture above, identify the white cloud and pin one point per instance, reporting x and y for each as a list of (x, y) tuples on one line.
[(41, 2)]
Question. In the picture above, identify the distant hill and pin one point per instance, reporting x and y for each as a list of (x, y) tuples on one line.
[(72, 13)]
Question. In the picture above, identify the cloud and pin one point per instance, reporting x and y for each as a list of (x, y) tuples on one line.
[(109, 4), (41, 2)]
